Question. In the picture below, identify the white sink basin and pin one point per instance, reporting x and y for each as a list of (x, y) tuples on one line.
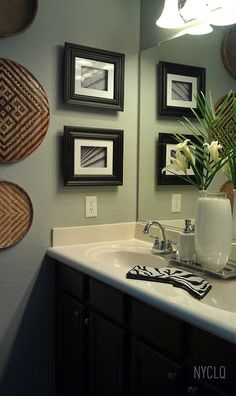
[(124, 257)]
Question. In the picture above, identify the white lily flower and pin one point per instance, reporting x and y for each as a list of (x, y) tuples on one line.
[(213, 150), (179, 163), (183, 147)]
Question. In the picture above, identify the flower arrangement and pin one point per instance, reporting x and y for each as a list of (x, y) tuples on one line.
[(207, 155)]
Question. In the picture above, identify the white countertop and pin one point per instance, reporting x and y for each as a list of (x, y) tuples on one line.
[(216, 312)]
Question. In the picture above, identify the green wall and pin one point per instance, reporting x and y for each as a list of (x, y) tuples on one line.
[(26, 292)]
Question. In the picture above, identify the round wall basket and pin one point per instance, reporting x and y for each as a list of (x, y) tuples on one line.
[(16, 214), (228, 51), (16, 16), (24, 112), (227, 125)]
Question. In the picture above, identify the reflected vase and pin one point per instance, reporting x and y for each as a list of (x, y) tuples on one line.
[(213, 230), (234, 213)]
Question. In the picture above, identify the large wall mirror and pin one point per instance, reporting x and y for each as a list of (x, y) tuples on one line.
[(154, 200)]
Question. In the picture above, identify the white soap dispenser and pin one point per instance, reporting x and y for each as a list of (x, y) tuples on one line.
[(186, 251)]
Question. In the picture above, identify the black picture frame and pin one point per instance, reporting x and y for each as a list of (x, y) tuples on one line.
[(94, 77), (177, 87), (164, 145), (93, 156)]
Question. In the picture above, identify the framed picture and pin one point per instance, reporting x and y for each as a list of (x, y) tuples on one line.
[(93, 156), (165, 150), (177, 88), (94, 77)]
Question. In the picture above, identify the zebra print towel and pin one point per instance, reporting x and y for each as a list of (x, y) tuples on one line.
[(194, 284)]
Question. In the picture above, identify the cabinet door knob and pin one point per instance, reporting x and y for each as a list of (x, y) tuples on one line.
[(86, 321), (171, 376), (192, 390), (76, 313)]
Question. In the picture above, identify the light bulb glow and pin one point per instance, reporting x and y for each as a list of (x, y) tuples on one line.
[(170, 17), (193, 9), (196, 16), (224, 17), (200, 29)]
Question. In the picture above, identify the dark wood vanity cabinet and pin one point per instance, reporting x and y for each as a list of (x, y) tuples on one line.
[(151, 373), (71, 355), (90, 347), (106, 357), (108, 343)]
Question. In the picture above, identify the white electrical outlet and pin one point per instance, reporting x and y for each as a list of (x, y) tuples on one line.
[(176, 203), (91, 206)]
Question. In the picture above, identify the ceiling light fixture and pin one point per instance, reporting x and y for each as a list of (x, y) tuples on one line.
[(196, 16)]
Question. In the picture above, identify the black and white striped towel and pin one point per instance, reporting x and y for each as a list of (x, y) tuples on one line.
[(195, 285)]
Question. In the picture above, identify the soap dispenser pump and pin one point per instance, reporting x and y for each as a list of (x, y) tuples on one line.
[(186, 243)]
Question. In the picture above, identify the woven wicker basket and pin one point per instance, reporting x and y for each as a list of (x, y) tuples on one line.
[(228, 51), (16, 16), (24, 115), (225, 131), (227, 188), (16, 214)]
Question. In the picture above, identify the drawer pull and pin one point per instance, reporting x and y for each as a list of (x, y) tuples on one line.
[(86, 321), (171, 376), (192, 390)]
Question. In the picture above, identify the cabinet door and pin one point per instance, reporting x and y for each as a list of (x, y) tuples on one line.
[(70, 347), (151, 373), (106, 357), (212, 360)]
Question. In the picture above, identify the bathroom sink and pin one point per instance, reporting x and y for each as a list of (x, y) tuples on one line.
[(125, 257), (110, 261), (115, 259)]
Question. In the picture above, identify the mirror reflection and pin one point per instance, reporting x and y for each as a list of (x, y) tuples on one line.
[(155, 200)]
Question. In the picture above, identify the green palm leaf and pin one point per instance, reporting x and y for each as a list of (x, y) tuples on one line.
[(208, 126)]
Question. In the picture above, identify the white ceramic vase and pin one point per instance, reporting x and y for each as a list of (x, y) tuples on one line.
[(234, 215), (213, 230)]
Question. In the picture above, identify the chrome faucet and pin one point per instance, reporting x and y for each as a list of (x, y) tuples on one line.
[(162, 246)]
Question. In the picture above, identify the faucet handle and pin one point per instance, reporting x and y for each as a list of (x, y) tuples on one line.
[(162, 245), (170, 244), (157, 242)]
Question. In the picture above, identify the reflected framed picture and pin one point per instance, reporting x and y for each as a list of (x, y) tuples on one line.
[(165, 152), (94, 77), (93, 156), (178, 86)]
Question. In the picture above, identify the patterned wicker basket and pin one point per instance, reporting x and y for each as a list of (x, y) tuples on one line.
[(16, 16), (225, 131), (228, 51), (24, 112), (16, 214)]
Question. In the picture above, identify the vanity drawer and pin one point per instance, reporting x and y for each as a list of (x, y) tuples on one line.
[(157, 327), (213, 360), (70, 281), (107, 300)]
